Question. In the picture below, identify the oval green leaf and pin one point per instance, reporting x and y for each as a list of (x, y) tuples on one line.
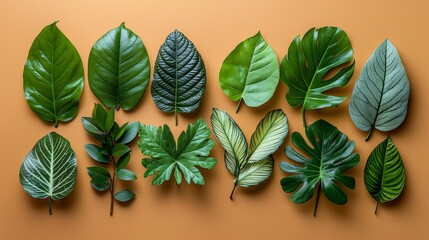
[(124, 195), (126, 175), (250, 72), (94, 152), (53, 76), (119, 68), (50, 169), (384, 173), (380, 96), (179, 78)]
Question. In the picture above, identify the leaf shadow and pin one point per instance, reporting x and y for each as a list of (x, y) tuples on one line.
[(254, 190)]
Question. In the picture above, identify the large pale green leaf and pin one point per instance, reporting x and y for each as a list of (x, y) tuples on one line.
[(254, 173), (322, 165), (250, 72), (50, 169), (384, 173), (192, 150), (306, 66), (53, 76), (179, 78), (380, 96), (118, 68)]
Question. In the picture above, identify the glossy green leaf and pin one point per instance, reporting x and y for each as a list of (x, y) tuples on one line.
[(380, 96), (321, 165), (250, 72), (119, 69), (126, 175), (121, 131), (124, 195), (120, 149), (94, 152), (192, 150), (110, 120), (130, 133), (179, 78), (100, 186), (384, 173), (53, 76), (315, 64), (98, 174), (50, 169), (123, 160)]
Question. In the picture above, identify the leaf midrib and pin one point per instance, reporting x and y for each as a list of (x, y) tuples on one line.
[(118, 87), (54, 102), (250, 64), (175, 74), (382, 87)]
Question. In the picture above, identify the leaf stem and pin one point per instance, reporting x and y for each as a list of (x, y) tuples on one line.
[(232, 193), (112, 184), (304, 122), (50, 205), (175, 116), (317, 200), (376, 208), (238, 105), (369, 134)]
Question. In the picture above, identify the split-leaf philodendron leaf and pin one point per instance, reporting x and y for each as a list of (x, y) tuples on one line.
[(53, 76), (306, 66), (321, 166), (119, 69), (254, 164), (250, 72), (50, 169), (384, 173), (380, 96), (179, 78), (191, 151)]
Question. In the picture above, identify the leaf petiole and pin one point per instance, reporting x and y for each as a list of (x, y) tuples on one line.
[(50, 205), (369, 134), (317, 200), (238, 105)]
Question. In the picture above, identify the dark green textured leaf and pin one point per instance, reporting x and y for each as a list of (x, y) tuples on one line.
[(192, 150), (53, 76), (384, 173), (118, 68), (380, 96), (124, 195), (250, 72), (179, 78), (94, 152), (322, 165), (50, 169)]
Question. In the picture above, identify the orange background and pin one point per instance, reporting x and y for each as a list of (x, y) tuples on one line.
[(205, 212)]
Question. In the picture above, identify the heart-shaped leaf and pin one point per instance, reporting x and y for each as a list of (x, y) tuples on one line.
[(50, 169), (384, 173), (179, 78), (380, 96), (53, 76), (322, 166), (250, 72), (119, 69)]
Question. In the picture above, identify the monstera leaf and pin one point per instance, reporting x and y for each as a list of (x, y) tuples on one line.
[(306, 66), (53, 76), (380, 96), (118, 68), (252, 165), (384, 173), (179, 79), (321, 166), (250, 72), (50, 169)]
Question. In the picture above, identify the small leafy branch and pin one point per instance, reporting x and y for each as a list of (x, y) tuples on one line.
[(113, 151)]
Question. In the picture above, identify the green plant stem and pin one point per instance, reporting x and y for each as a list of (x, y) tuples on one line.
[(376, 208), (369, 134), (232, 193), (317, 200), (112, 184), (304, 122), (50, 205), (238, 105)]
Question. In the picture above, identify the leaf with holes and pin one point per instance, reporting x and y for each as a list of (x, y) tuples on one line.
[(119, 69), (384, 173), (380, 96), (321, 166), (250, 72), (53, 76), (50, 169), (179, 78)]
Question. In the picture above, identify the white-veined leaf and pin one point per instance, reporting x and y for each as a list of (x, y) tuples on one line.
[(254, 173)]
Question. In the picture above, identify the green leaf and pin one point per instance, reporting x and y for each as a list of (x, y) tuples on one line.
[(98, 174), (121, 131), (53, 76), (50, 169), (130, 133), (126, 175), (100, 115), (118, 68), (124, 195), (100, 186), (306, 66), (384, 173), (94, 152), (120, 149), (250, 72), (123, 160), (92, 128), (380, 96), (179, 78), (110, 120), (254, 173), (321, 165), (192, 150)]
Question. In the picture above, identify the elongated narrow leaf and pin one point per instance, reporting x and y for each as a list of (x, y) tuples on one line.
[(250, 72), (53, 76), (118, 68), (254, 173), (384, 172), (322, 165), (380, 96), (50, 169), (305, 68), (179, 78)]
